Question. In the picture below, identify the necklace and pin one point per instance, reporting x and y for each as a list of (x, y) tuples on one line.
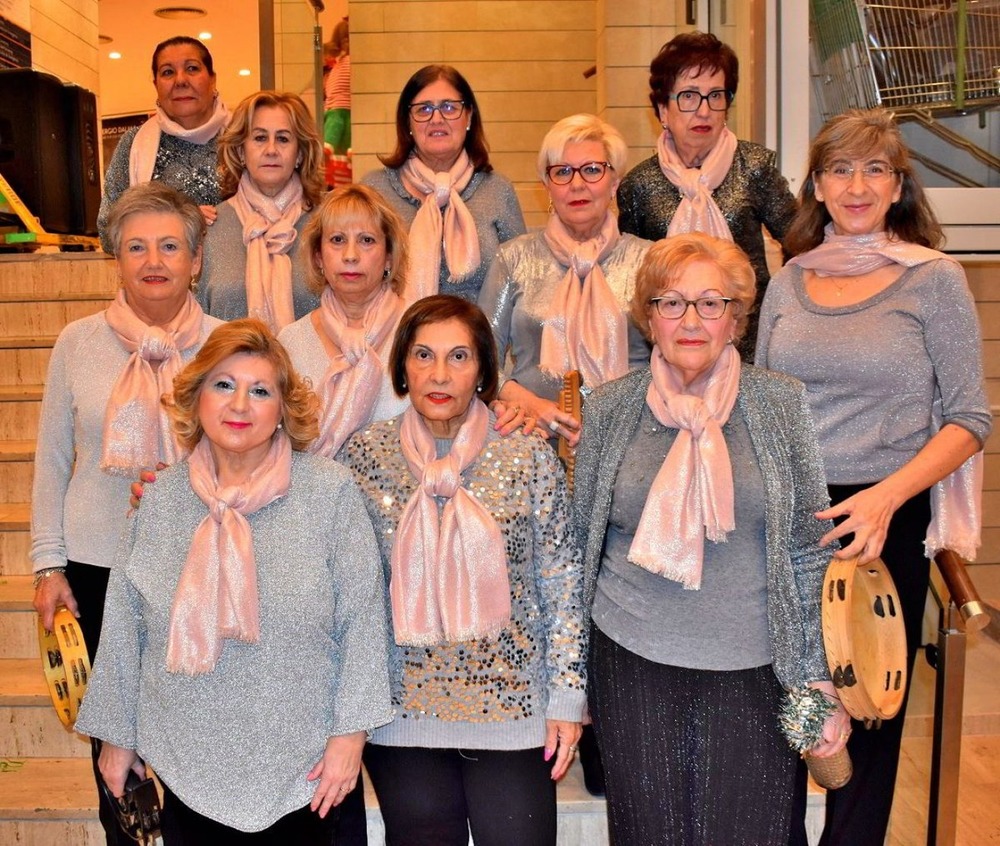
[(840, 285)]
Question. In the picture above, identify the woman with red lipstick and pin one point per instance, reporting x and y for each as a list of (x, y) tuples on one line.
[(702, 179), (439, 180), (558, 300), (697, 479), (101, 421), (882, 329), (270, 161), (178, 144), (486, 665)]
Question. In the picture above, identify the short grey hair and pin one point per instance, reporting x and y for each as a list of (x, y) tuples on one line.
[(156, 198), (582, 127)]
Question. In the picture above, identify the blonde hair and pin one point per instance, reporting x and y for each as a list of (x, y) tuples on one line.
[(576, 128)]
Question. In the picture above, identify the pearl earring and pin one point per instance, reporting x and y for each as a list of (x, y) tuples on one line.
[(479, 389)]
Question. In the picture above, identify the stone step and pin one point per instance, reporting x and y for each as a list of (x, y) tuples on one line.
[(15, 516), (27, 342), (30, 725), (19, 419), (16, 593), (15, 479), (55, 296), (24, 366), (50, 274), (21, 393), (14, 549), (46, 317), (17, 450)]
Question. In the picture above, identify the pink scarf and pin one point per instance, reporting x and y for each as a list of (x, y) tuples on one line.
[(351, 385), (697, 211), (692, 495), (146, 142), (216, 594), (269, 233), (585, 329), (449, 569), (454, 227), (137, 432), (956, 501)]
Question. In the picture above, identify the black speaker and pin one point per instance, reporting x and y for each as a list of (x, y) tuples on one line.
[(49, 149)]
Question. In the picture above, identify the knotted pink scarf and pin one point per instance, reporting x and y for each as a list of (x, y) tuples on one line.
[(146, 142), (350, 387), (454, 227), (269, 233), (216, 594), (692, 495), (585, 329), (697, 211), (449, 569), (956, 501), (137, 431)]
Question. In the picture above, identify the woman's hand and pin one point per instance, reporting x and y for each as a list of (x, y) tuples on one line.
[(337, 771), (53, 591), (146, 477), (550, 419), (510, 417), (868, 513), (561, 738), (836, 728), (209, 213), (114, 764)]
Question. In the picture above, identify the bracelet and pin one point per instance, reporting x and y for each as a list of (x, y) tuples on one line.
[(48, 572)]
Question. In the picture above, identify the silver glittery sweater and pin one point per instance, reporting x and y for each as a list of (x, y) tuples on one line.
[(235, 744), (77, 510), (493, 204), (190, 168), (517, 297), (784, 443), (222, 288), (754, 193), (879, 372), (493, 693)]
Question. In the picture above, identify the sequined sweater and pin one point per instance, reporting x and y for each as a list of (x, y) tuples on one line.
[(490, 199), (783, 441), (517, 297), (222, 287), (493, 693), (77, 510), (190, 168), (235, 744), (754, 193), (879, 372)]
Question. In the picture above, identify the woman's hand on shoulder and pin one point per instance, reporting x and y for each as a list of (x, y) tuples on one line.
[(146, 477), (52, 592), (209, 213), (561, 739), (337, 771), (114, 764), (836, 727), (545, 416)]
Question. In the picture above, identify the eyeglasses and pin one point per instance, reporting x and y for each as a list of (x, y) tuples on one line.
[(562, 174), (450, 110), (691, 100), (673, 307), (871, 172)]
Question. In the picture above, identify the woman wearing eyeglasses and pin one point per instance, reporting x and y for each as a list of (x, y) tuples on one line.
[(439, 180), (702, 179), (697, 479), (882, 329), (558, 299)]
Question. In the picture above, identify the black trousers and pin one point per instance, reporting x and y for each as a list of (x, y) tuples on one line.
[(858, 813), (433, 797), (691, 757), (183, 827)]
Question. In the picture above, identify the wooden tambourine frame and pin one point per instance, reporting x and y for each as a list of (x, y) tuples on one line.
[(865, 638), (65, 663)]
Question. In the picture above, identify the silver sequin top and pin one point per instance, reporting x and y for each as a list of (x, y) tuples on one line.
[(875, 370), (754, 193), (784, 444), (493, 204), (77, 510), (518, 295), (490, 693), (236, 744), (222, 287), (190, 168)]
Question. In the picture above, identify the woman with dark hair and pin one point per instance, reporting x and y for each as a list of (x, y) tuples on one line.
[(486, 666), (702, 179), (178, 144), (270, 167), (440, 181), (882, 329), (244, 668)]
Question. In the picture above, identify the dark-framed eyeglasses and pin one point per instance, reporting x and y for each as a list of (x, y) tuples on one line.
[(691, 99), (449, 109), (877, 171), (672, 307), (562, 174)]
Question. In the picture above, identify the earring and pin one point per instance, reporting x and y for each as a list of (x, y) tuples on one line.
[(280, 425), (386, 272), (403, 384), (663, 125), (467, 128), (551, 208), (157, 104), (479, 389)]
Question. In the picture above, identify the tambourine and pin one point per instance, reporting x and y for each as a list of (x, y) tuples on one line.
[(865, 638), (65, 663)]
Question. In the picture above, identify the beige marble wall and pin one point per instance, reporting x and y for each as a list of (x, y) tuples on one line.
[(64, 40)]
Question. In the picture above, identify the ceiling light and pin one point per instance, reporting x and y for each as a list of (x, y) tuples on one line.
[(179, 13), (244, 71), (205, 36), (114, 54)]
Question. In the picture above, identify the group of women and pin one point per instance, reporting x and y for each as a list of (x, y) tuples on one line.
[(362, 549)]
